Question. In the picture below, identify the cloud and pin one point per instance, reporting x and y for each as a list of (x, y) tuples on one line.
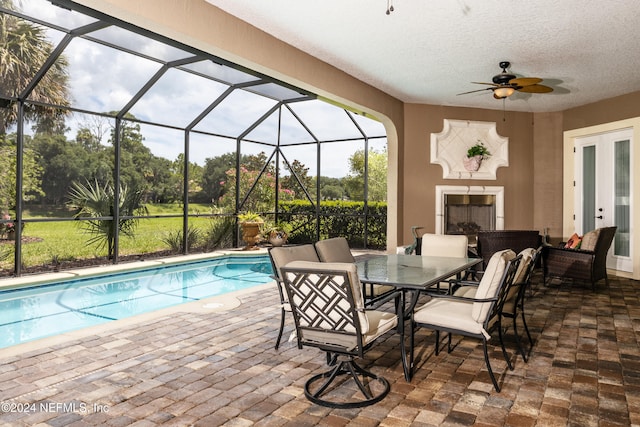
[(104, 79)]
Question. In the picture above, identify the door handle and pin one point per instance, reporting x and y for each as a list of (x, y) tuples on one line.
[(599, 217)]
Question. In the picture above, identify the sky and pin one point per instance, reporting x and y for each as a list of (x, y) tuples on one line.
[(103, 79)]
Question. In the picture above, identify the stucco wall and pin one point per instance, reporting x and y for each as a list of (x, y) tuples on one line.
[(606, 111), (547, 173), (421, 176)]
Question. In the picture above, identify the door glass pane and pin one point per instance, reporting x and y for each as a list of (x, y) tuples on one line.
[(589, 188), (622, 170)]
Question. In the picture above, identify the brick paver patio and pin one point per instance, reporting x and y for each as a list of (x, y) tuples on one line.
[(209, 366)]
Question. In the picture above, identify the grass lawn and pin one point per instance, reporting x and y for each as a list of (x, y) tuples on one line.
[(45, 243)]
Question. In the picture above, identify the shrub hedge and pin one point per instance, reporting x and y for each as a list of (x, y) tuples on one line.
[(337, 218)]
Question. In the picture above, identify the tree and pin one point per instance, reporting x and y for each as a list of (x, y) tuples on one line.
[(195, 178), (298, 172), (62, 163), (214, 176), (90, 135), (377, 174), (23, 50), (258, 189), (332, 188), (97, 201), (134, 155), (31, 176)]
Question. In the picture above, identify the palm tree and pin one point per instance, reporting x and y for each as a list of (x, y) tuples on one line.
[(23, 50), (96, 202)]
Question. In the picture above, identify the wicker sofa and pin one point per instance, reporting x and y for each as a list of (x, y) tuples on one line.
[(580, 264), (492, 241)]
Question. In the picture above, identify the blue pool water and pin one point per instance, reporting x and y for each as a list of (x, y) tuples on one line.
[(40, 311)]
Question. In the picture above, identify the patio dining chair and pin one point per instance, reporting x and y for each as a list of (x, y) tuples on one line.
[(336, 249), (471, 317), (281, 256), (514, 303), (445, 245), (329, 313)]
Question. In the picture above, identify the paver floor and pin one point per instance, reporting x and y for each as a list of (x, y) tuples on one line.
[(209, 368)]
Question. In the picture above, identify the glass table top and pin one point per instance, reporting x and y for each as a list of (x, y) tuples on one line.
[(411, 271)]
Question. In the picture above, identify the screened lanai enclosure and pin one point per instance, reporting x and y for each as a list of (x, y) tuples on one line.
[(94, 110)]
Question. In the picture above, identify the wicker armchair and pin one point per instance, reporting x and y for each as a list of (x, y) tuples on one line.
[(580, 264)]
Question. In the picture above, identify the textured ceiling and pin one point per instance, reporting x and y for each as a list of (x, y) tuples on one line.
[(428, 51)]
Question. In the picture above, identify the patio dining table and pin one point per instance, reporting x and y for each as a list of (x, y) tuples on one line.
[(412, 275)]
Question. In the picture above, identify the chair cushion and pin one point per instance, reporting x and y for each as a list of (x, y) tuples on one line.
[(283, 255), (449, 245), (335, 249), (466, 291), (589, 240), (450, 314), (521, 272), (379, 322), (382, 289), (490, 283)]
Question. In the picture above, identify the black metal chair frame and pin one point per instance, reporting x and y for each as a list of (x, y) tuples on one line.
[(281, 293), (316, 311), (373, 298), (492, 321), (370, 299), (518, 307)]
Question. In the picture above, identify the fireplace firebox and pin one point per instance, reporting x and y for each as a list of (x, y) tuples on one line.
[(467, 214), (468, 209)]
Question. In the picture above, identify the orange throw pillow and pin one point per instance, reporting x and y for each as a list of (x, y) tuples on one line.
[(573, 241)]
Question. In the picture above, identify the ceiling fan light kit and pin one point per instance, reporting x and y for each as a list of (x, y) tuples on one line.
[(503, 92), (506, 84)]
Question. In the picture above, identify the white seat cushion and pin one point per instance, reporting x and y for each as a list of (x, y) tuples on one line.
[(449, 245), (490, 283), (381, 289), (447, 313), (379, 322), (466, 292)]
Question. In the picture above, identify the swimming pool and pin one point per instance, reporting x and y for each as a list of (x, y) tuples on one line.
[(39, 311)]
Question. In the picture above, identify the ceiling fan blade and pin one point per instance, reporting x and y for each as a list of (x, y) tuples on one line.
[(482, 83), (473, 91), (535, 89), (524, 81)]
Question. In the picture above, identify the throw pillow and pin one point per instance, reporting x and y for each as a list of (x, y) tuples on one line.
[(590, 239), (573, 241)]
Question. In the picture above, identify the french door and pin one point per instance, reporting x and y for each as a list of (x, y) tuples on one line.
[(603, 190)]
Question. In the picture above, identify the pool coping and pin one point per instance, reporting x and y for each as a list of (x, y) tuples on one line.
[(45, 278)]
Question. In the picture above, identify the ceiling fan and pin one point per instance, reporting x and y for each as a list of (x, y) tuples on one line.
[(505, 84)]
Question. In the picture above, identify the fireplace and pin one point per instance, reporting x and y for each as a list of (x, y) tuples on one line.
[(467, 209)]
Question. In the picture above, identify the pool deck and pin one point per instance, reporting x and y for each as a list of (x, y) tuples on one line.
[(212, 362)]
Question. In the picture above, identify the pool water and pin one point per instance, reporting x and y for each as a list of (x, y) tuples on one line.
[(35, 312)]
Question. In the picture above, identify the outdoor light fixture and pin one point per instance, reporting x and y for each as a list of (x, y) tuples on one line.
[(503, 92)]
